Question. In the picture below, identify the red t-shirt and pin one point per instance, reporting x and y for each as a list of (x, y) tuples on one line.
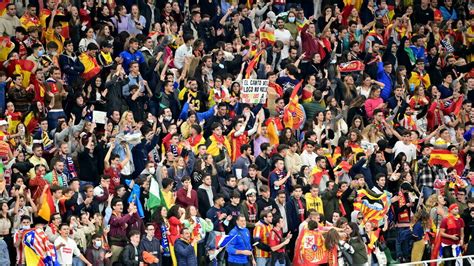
[(114, 174), (452, 226), (276, 237)]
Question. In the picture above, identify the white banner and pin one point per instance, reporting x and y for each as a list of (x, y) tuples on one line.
[(254, 91)]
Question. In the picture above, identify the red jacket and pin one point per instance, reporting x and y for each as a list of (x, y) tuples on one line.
[(183, 200), (310, 44)]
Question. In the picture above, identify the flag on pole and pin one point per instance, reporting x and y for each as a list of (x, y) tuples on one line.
[(154, 199), (252, 64), (135, 198)]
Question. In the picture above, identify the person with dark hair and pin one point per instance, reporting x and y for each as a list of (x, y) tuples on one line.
[(241, 166), (66, 247), (261, 235), (150, 247), (279, 179), (133, 54), (240, 248), (184, 51), (296, 213), (96, 253), (186, 195), (184, 249), (9, 21), (263, 162), (118, 224), (131, 254)]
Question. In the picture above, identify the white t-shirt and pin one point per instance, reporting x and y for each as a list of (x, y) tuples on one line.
[(283, 35), (180, 54), (66, 252), (409, 150)]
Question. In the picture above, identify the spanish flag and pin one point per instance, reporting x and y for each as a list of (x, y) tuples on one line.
[(252, 64), (5, 48), (266, 36), (47, 206), (293, 114), (91, 67), (310, 243), (24, 68), (318, 174), (443, 157), (45, 13), (30, 121)]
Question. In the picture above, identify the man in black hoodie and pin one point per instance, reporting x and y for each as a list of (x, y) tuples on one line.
[(263, 202)]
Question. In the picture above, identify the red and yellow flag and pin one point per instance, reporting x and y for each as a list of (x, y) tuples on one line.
[(266, 36), (24, 68), (272, 131), (6, 46), (373, 208), (310, 243), (91, 67), (293, 114), (252, 64), (443, 157), (47, 206)]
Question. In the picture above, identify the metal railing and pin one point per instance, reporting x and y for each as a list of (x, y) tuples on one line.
[(470, 259)]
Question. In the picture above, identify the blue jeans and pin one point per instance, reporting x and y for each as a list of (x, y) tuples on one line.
[(262, 261), (53, 117), (402, 244), (76, 261)]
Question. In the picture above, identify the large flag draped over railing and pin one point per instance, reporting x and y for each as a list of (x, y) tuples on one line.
[(38, 249)]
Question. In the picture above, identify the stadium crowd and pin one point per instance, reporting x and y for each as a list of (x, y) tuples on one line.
[(226, 132)]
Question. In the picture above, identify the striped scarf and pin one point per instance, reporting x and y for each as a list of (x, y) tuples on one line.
[(164, 241)]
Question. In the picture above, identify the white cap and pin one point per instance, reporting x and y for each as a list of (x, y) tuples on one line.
[(250, 192), (271, 15), (3, 123)]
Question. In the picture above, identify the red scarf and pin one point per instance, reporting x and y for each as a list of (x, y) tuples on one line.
[(252, 212), (300, 209), (404, 216), (54, 230), (220, 139), (193, 141)]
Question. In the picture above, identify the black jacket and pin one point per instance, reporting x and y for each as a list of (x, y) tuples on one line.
[(130, 254)]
